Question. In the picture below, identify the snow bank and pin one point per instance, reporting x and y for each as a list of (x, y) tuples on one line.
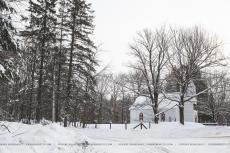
[(38, 139), (54, 138)]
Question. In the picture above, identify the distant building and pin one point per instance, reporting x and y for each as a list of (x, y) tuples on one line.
[(168, 109)]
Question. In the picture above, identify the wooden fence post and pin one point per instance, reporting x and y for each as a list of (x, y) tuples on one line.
[(65, 122), (110, 125)]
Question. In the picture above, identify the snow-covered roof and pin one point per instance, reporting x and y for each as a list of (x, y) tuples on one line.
[(165, 101), (144, 102)]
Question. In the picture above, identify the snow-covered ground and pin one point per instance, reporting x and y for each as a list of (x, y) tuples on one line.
[(162, 138), (40, 139)]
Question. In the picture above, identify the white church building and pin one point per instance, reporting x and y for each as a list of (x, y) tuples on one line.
[(168, 109)]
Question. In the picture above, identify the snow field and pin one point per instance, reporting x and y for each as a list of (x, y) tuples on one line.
[(165, 137)]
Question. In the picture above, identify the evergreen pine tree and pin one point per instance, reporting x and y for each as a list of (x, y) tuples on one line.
[(42, 30), (8, 46)]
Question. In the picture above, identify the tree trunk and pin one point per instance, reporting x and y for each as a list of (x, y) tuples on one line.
[(59, 71), (100, 110), (70, 60), (40, 81), (53, 91), (122, 106), (181, 110), (155, 106), (156, 117), (32, 85), (84, 117), (213, 116)]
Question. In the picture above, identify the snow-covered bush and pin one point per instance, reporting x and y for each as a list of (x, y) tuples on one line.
[(45, 122)]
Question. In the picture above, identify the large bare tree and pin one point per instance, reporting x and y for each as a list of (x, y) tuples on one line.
[(149, 49), (192, 50)]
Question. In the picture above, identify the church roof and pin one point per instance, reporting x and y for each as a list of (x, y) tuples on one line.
[(165, 101), (144, 102)]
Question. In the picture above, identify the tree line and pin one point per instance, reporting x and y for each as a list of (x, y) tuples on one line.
[(48, 68), (48, 65)]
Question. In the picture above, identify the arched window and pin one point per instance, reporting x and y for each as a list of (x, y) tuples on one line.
[(141, 117)]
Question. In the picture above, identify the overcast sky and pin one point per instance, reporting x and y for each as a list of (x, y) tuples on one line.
[(117, 22)]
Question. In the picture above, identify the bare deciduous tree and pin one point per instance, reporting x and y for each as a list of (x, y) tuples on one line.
[(102, 89), (192, 50), (149, 48), (135, 83)]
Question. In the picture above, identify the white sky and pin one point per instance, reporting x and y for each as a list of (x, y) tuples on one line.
[(117, 22)]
